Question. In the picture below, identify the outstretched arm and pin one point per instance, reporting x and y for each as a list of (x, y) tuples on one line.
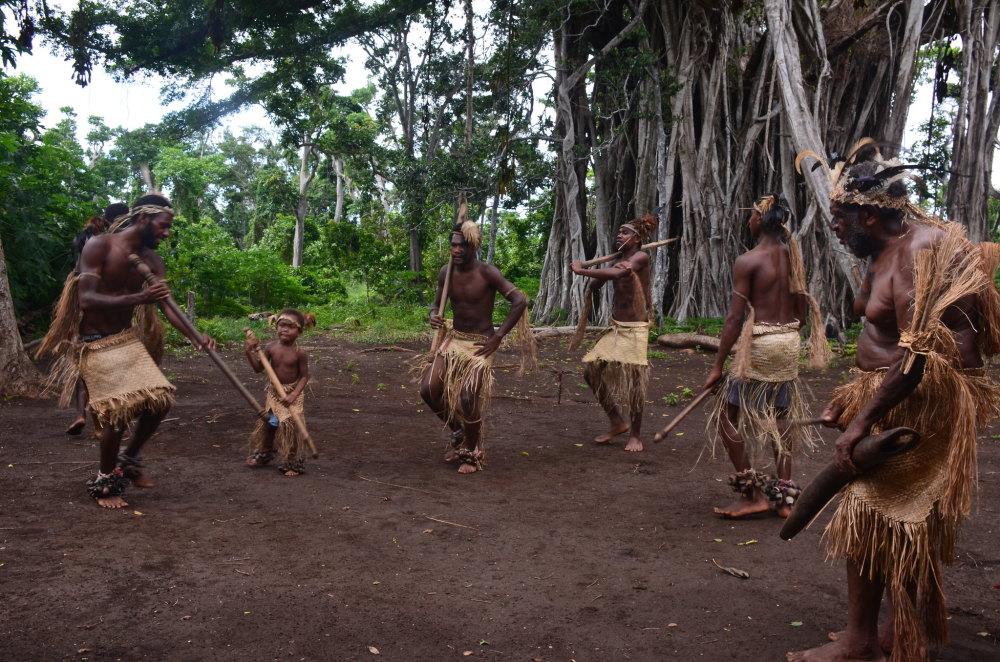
[(619, 270)]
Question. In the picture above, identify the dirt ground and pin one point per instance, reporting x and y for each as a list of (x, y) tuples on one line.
[(559, 550)]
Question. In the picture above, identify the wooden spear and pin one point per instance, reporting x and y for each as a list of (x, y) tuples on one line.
[(190, 329), (439, 336), (658, 437), (614, 256), (297, 421)]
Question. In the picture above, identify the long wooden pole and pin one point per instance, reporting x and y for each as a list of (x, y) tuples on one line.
[(297, 421), (439, 336), (614, 256), (658, 437), (191, 330)]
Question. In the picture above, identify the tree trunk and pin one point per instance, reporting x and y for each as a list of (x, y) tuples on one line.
[(977, 119), (18, 375), (305, 178)]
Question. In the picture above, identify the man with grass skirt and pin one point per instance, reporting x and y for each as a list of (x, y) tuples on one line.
[(761, 391), (617, 368), (117, 325), (456, 379), (932, 314)]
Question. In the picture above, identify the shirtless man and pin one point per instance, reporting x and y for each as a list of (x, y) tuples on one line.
[(908, 366), (617, 368), (752, 407), (121, 377), (457, 381)]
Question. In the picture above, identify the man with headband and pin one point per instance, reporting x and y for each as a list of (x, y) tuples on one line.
[(118, 329), (617, 368), (932, 315), (457, 379), (761, 391)]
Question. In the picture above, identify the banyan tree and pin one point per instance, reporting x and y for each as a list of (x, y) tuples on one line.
[(702, 106)]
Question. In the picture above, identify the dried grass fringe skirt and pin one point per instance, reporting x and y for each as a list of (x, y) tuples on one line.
[(900, 520)]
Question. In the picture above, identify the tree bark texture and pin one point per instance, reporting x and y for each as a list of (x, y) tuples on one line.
[(728, 94), (18, 375)]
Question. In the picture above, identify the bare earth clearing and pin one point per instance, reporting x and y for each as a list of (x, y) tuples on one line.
[(559, 550)]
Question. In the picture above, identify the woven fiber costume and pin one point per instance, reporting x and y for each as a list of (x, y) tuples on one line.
[(287, 441), (763, 380), (620, 362), (122, 378), (899, 521)]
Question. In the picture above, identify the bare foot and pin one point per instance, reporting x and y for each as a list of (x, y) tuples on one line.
[(111, 502), (253, 462), (76, 427), (142, 480), (291, 473), (837, 651), (884, 638), (612, 433), (743, 507), (451, 455), (467, 468), (634, 445)]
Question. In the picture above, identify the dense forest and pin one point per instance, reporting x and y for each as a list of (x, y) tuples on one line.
[(558, 119)]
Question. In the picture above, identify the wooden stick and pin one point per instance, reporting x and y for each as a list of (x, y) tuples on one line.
[(169, 303), (658, 437), (297, 421), (870, 452), (439, 336), (613, 256)]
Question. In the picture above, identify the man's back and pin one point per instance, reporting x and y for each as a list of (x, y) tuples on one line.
[(767, 268)]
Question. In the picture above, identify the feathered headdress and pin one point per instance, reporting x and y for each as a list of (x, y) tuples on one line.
[(470, 231), (867, 182), (644, 227)]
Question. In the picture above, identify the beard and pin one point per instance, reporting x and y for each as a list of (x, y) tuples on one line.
[(148, 238), (860, 242)]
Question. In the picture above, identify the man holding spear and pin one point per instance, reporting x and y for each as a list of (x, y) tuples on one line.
[(617, 366), (457, 375), (760, 393), (121, 376)]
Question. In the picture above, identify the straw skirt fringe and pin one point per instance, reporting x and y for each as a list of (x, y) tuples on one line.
[(122, 379), (900, 520), (462, 372), (287, 441), (770, 362), (619, 363)]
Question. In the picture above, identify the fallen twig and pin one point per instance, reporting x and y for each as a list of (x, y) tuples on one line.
[(387, 348), (434, 519), (405, 487)]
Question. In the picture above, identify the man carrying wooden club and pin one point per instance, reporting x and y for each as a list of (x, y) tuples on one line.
[(116, 327), (617, 368), (931, 316), (761, 391), (457, 375)]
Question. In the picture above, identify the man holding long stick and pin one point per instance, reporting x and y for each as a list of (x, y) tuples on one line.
[(116, 327), (457, 377), (761, 391), (617, 366)]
